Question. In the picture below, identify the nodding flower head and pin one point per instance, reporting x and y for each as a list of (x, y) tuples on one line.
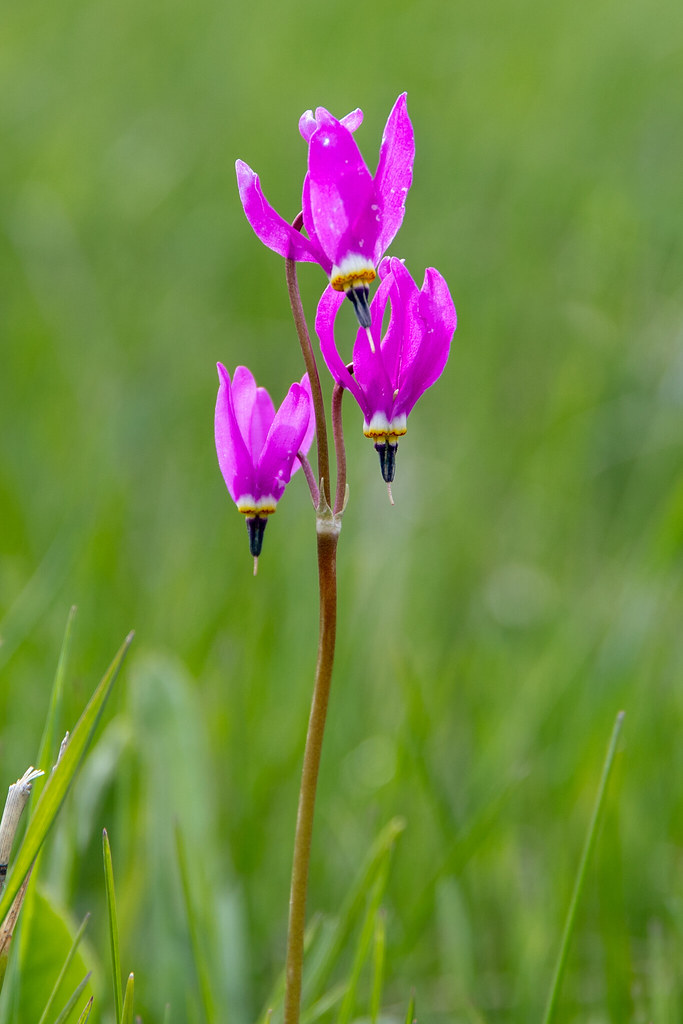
[(257, 447), (350, 216), (390, 373)]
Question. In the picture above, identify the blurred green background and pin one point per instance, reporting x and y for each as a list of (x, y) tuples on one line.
[(525, 587)]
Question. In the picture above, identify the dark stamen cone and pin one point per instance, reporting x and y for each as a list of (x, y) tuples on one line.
[(387, 459), (359, 297), (256, 526)]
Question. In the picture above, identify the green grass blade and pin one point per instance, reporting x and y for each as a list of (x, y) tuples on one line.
[(58, 784), (194, 928), (73, 999), (351, 909), (326, 952), (113, 925), (324, 1005), (378, 956), (86, 1011), (581, 873), (277, 993), (127, 1017), (364, 941), (65, 967), (47, 752), (47, 755), (410, 1015)]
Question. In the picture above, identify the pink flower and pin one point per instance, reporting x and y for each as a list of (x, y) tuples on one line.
[(350, 216), (391, 372), (257, 446)]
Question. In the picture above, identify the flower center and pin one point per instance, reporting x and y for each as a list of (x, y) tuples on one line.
[(352, 272), (353, 276), (248, 505), (384, 431)]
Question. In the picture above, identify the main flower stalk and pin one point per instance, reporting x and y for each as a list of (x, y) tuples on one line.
[(328, 525), (327, 577)]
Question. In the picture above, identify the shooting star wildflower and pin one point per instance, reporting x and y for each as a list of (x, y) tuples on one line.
[(390, 373), (350, 216), (257, 447)]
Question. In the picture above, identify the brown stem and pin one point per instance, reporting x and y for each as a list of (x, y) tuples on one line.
[(327, 576), (327, 528)]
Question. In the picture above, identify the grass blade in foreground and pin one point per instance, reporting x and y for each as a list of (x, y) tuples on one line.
[(194, 927), (64, 1015), (581, 873), (378, 953), (127, 1017), (325, 948), (86, 1011), (364, 943), (58, 784), (65, 967), (410, 1015), (49, 742), (352, 908), (113, 926)]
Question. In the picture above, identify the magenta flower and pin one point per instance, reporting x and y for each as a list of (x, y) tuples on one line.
[(390, 373), (350, 216), (257, 447)]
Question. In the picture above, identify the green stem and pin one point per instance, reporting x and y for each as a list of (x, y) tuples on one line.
[(581, 873)]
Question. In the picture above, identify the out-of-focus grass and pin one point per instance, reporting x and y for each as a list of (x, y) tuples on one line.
[(526, 585)]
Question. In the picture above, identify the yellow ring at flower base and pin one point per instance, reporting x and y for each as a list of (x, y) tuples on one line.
[(352, 272), (382, 431), (249, 506)]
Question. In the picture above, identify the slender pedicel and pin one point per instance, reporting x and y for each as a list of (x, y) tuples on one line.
[(310, 479), (339, 448), (309, 361)]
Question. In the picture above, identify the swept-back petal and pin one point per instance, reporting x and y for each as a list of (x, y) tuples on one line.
[(341, 191), (307, 125), (308, 122), (309, 224), (243, 396), (394, 172), (284, 440), (428, 340), (234, 459), (262, 416), (403, 293), (328, 308), (272, 229), (353, 120)]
